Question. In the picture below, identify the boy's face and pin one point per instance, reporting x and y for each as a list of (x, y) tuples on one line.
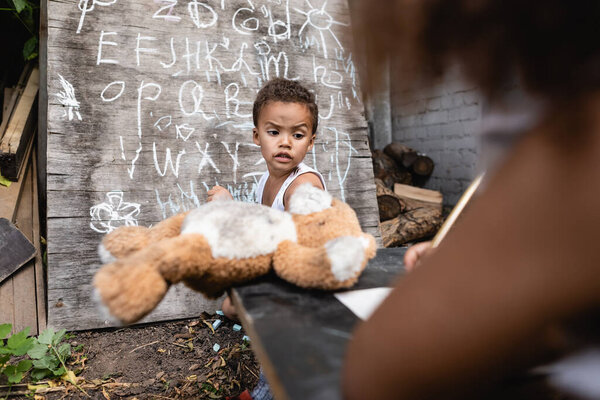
[(284, 134)]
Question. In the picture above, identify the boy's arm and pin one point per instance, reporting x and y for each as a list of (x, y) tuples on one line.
[(307, 177)]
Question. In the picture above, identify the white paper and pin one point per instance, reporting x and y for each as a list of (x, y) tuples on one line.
[(363, 302)]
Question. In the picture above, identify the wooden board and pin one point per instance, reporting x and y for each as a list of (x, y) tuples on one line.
[(149, 105), (22, 299), (15, 249), (19, 131), (300, 336)]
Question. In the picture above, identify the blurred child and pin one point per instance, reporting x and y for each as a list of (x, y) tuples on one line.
[(487, 302)]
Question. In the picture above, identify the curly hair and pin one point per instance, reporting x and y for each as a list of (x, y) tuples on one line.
[(286, 91), (549, 46)]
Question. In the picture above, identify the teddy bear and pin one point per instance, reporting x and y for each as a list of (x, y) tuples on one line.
[(318, 244)]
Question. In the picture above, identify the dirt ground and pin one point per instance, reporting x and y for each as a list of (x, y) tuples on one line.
[(172, 360)]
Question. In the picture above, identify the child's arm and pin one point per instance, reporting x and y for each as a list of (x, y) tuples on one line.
[(219, 193), (308, 177)]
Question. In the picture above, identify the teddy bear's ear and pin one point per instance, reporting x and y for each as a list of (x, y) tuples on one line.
[(308, 199)]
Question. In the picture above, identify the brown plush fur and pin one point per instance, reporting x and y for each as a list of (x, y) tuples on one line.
[(149, 260)]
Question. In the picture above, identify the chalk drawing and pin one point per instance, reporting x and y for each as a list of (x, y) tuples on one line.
[(168, 7), (178, 202), (163, 123), (116, 96), (206, 158), (198, 13), (168, 161), (234, 157), (67, 98), (139, 49), (318, 22), (113, 213), (102, 42), (184, 131), (86, 6)]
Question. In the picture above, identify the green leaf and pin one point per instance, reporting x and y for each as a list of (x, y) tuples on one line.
[(44, 363), (30, 48), (38, 350), (5, 328), (20, 343), (38, 374), (7, 183), (20, 5), (58, 336), (65, 351), (59, 372), (46, 336), (24, 365), (13, 375), (4, 359)]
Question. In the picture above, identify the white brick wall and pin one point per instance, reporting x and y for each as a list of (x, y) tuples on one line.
[(442, 124)]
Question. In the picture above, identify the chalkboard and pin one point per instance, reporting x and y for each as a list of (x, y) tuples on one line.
[(149, 105)]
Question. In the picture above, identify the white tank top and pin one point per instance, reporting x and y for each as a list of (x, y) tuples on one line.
[(278, 201)]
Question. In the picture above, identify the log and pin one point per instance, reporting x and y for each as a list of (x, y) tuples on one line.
[(423, 166), (414, 197), (421, 218), (422, 169), (418, 223), (386, 169), (403, 155), (389, 203)]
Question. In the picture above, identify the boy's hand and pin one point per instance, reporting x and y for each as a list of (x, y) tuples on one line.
[(415, 254), (219, 193)]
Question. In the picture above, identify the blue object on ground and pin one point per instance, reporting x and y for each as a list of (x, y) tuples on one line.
[(216, 324), (237, 327), (220, 312), (216, 347)]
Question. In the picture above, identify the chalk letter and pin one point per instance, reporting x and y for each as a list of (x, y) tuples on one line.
[(139, 50), (100, 43)]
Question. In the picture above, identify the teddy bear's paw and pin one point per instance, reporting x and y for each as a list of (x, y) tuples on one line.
[(130, 290), (103, 311), (122, 242), (347, 256), (308, 199)]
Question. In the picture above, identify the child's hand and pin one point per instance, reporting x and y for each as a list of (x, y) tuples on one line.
[(415, 254), (219, 193)]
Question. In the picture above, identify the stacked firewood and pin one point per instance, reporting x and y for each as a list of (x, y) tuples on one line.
[(406, 211)]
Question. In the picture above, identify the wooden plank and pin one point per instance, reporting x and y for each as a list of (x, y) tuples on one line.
[(416, 193), (24, 289), (15, 249), (42, 141), (300, 336), (40, 276), (154, 101), (10, 101), (15, 141), (10, 196)]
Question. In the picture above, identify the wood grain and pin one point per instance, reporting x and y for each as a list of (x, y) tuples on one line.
[(149, 105)]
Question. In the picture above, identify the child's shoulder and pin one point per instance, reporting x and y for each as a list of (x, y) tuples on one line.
[(306, 177)]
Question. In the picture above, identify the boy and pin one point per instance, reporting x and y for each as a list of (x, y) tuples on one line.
[(285, 118), (285, 124)]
